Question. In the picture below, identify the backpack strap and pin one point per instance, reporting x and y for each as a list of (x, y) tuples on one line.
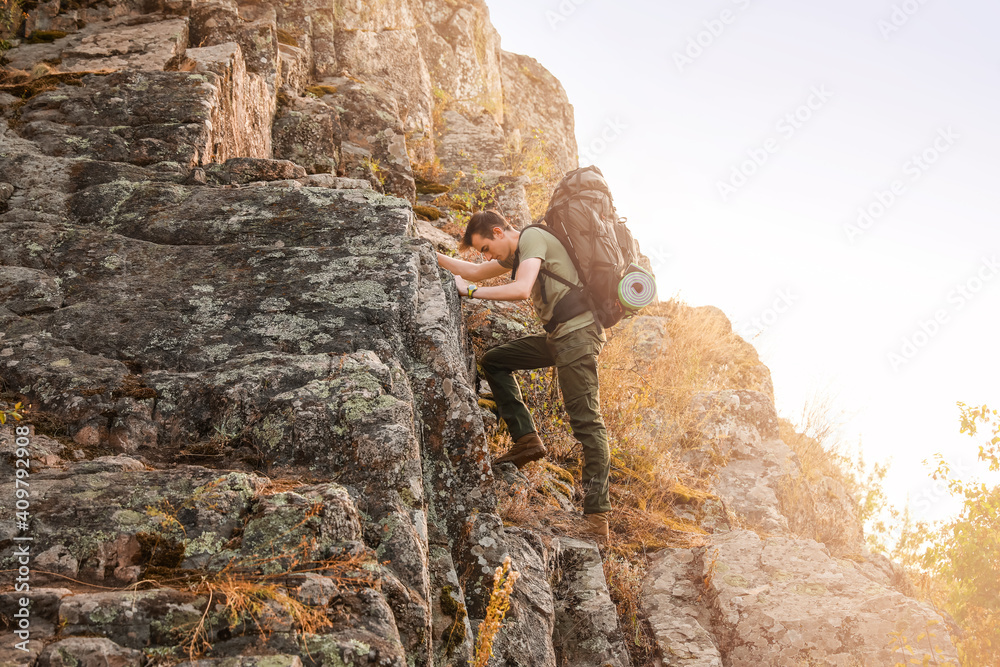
[(556, 276), (562, 242), (578, 300)]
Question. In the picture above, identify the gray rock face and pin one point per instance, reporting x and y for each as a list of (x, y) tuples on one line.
[(242, 106), (309, 25), (681, 623), (744, 599), (249, 364), (253, 27), (378, 42), (248, 661), (148, 118), (27, 291), (526, 639), (800, 604), (374, 139)]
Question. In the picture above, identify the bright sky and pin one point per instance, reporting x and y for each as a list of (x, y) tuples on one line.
[(743, 139)]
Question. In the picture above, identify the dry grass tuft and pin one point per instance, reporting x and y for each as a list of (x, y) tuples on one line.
[(42, 78), (625, 583), (650, 372), (504, 579), (533, 157), (241, 597)]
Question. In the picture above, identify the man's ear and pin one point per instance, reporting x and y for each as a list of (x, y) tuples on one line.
[(497, 232)]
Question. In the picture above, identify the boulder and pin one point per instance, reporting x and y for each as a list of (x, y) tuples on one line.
[(89, 652), (252, 26), (28, 290), (672, 598), (586, 630), (111, 519), (142, 43), (188, 118), (242, 107), (775, 597), (525, 638), (307, 131), (471, 143), (149, 42), (247, 661), (132, 619), (373, 140), (747, 600)]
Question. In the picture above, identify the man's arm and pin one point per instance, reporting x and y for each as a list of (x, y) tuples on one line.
[(520, 289), (471, 271)]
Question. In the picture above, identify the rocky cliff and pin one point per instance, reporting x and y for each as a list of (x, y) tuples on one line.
[(256, 434)]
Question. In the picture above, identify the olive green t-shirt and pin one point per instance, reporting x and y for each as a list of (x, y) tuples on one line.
[(543, 245)]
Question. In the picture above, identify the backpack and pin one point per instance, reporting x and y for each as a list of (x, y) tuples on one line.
[(581, 214)]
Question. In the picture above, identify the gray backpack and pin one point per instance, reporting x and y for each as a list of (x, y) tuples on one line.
[(581, 214)]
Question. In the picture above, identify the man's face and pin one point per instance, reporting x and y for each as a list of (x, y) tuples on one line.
[(497, 248)]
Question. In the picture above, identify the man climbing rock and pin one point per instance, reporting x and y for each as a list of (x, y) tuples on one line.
[(572, 346)]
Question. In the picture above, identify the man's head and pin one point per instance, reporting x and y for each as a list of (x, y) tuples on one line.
[(491, 234)]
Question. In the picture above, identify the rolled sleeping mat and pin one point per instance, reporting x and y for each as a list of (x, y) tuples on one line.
[(637, 289)]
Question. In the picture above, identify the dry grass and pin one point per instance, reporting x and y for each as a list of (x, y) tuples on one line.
[(836, 491), (807, 517), (649, 376), (243, 597), (504, 579), (41, 78), (533, 158), (648, 380), (248, 603)]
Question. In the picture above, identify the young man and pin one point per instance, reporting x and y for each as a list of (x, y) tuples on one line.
[(571, 346)]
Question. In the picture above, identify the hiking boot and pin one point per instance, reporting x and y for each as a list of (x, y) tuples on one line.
[(528, 448), (596, 526)]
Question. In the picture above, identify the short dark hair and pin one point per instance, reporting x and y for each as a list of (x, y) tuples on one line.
[(482, 223)]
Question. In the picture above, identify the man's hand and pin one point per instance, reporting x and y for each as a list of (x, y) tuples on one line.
[(462, 285), (470, 271)]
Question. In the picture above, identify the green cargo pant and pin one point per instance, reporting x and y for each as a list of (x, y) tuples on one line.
[(575, 358)]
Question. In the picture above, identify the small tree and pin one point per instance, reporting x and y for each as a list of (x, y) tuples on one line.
[(965, 552)]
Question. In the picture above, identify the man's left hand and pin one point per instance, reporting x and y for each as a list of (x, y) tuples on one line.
[(462, 285)]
